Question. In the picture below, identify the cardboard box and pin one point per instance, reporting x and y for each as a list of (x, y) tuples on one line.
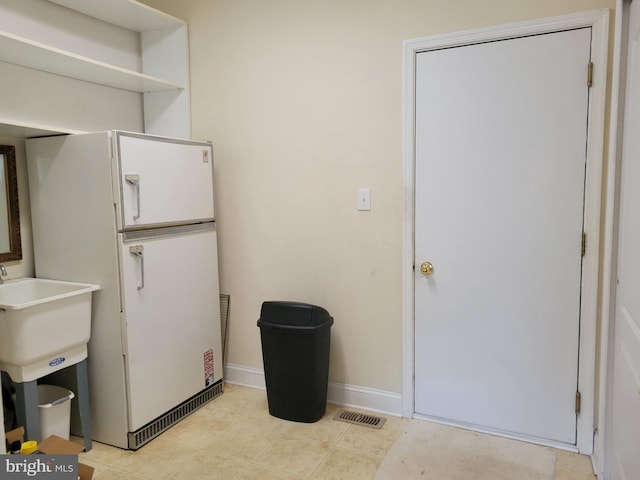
[(55, 445), (16, 435)]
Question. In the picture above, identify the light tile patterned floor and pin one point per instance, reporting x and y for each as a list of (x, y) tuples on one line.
[(234, 438)]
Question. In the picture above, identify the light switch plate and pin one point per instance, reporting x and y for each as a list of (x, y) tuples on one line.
[(364, 199)]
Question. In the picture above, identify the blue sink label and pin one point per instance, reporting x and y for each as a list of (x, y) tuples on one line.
[(56, 361)]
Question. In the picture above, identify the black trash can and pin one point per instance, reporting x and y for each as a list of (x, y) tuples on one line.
[(295, 352)]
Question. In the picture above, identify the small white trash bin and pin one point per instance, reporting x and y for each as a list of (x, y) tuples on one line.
[(54, 407)]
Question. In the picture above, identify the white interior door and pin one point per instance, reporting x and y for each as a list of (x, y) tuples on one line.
[(625, 407), (500, 169)]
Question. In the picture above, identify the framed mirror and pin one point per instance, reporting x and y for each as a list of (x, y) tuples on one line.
[(10, 240)]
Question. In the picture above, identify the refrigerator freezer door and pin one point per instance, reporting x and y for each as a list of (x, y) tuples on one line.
[(172, 316), (163, 181)]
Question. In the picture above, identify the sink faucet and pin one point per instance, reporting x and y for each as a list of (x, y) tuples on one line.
[(3, 273)]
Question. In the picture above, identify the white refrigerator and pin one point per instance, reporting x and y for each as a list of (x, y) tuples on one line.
[(134, 213)]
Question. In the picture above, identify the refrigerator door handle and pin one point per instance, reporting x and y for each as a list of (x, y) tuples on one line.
[(138, 250), (134, 179)]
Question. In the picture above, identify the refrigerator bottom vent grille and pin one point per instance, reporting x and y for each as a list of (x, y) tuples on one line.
[(147, 433)]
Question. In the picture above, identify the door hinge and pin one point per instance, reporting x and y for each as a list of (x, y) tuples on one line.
[(583, 247), (577, 402), (590, 74)]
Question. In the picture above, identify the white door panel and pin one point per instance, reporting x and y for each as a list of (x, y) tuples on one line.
[(626, 399), (500, 169), (164, 182), (171, 320), (625, 408)]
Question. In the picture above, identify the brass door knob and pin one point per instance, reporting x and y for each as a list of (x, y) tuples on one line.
[(426, 268)]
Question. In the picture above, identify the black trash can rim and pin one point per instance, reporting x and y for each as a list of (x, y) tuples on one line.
[(288, 315), (294, 328)]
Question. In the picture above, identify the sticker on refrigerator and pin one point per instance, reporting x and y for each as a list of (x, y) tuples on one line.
[(208, 368)]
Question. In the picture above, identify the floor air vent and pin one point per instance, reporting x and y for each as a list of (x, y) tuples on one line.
[(359, 419), (169, 419)]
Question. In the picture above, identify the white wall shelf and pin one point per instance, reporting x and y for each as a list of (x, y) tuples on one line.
[(25, 52), (11, 128), (87, 65), (125, 13)]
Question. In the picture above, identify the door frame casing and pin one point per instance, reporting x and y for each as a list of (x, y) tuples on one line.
[(598, 20), (602, 439)]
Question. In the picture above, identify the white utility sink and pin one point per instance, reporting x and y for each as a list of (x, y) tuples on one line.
[(44, 326)]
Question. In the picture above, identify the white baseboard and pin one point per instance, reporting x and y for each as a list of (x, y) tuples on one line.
[(244, 376), (338, 393)]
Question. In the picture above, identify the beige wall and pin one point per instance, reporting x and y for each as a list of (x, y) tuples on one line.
[(303, 102)]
